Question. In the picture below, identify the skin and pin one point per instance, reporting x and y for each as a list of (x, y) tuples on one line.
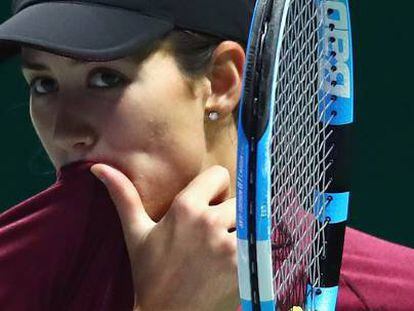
[(169, 169)]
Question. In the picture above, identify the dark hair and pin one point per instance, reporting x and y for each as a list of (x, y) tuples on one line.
[(193, 52)]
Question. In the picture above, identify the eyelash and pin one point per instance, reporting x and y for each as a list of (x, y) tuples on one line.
[(121, 80)]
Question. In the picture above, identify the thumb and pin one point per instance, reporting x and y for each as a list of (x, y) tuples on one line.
[(136, 223)]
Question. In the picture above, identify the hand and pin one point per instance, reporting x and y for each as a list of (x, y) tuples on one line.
[(186, 261)]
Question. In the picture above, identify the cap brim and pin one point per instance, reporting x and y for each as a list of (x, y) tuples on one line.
[(79, 30)]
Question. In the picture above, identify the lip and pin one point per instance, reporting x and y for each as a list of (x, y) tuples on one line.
[(67, 171), (82, 162), (89, 162)]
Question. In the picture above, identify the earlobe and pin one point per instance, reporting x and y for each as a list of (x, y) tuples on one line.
[(225, 79)]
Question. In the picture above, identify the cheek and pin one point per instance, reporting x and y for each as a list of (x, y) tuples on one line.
[(161, 139), (39, 118), (42, 121), (163, 167), (158, 116), (159, 181)]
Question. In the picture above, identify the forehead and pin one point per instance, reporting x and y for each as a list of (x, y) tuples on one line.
[(30, 55), (34, 55)]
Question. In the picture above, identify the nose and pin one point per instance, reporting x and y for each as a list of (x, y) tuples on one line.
[(74, 129)]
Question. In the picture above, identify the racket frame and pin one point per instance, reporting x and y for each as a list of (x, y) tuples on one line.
[(253, 178)]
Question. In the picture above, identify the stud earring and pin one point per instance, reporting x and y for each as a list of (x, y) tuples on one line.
[(213, 116)]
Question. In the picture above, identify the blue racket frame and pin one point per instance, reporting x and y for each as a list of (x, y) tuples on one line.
[(253, 207)]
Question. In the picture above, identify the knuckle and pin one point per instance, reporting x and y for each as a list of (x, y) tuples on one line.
[(234, 262), (208, 222), (222, 172), (228, 248), (184, 204)]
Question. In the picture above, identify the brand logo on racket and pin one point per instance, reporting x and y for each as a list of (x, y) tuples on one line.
[(337, 40)]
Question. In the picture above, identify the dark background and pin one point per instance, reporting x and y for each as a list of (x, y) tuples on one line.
[(384, 146)]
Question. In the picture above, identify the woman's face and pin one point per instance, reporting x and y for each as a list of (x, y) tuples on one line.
[(143, 119)]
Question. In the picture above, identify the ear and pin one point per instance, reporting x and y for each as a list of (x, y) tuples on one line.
[(226, 78)]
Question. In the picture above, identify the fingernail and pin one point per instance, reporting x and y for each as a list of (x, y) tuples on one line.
[(99, 176), (103, 180)]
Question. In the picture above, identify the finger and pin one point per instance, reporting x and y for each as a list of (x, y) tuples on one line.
[(226, 212), (235, 258), (233, 236), (212, 186), (225, 244), (135, 221)]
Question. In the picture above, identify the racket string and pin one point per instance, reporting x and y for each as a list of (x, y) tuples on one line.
[(306, 198), (297, 55), (300, 155), (290, 130), (294, 109), (299, 236), (286, 166), (299, 193), (292, 82)]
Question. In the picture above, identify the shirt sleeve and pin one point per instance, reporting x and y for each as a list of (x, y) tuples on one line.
[(375, 274)]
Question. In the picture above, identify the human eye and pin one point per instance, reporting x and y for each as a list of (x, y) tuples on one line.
[(106, 79), (42, 86)]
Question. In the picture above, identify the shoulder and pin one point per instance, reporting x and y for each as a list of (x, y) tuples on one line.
[(376, 274)]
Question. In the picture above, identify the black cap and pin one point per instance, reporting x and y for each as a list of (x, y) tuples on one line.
[(110, 29)]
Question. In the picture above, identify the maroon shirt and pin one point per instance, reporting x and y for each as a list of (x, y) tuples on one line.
[(63, 249), (375, 274)]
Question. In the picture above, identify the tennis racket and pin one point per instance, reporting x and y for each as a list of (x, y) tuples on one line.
[(293, 191)]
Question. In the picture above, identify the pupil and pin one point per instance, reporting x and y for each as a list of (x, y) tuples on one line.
[(109, 78), (47, 85)]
